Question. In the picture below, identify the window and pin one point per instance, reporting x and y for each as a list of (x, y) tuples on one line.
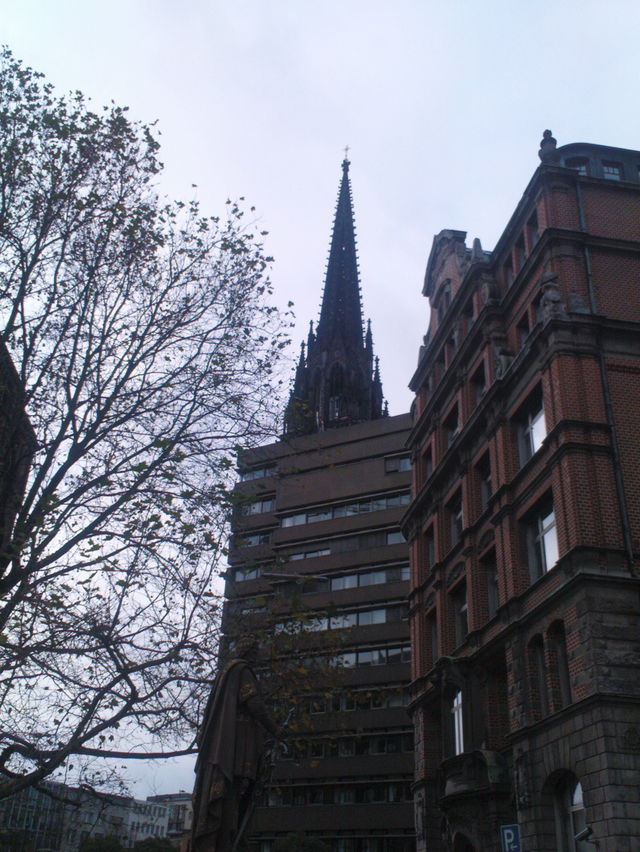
[(570, 814), (451, 426), (612, 171), (242, 574), (532, 428), (460, 620), (454, 510), (580, 164), (253, 539), (538, 678), (485, 486), (397, 464), (457, 723), (359, 507), (542, 539), (478, 384), (256, 507), (429, 549), (521, 252), (257, 473), (432, 637), (395, 537), (491, 578), (427, 463), (508, 272), (559, 666)]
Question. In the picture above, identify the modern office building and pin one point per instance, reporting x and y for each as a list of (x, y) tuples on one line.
[(525, 527), (317, 549)]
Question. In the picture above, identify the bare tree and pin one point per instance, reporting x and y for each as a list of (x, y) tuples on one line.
[(144, 338)]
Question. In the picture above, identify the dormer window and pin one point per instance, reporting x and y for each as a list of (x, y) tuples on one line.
[(612, 171), (580, 164)]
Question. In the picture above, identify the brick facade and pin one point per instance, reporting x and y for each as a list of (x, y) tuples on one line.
[(525, 525)]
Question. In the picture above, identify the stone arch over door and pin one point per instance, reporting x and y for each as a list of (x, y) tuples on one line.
[(461, 843)]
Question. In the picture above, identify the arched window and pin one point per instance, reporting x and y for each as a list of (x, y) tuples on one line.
[(570, 815), (559, 666), (538, 678)]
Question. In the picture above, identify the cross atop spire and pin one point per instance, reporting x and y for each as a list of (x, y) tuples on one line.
[(336, 384)]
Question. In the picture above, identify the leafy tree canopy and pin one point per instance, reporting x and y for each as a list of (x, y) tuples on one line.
[(143, 334)]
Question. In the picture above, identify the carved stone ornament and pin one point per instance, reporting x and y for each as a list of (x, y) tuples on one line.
[(489, 289), (504, 359), (551, 304)]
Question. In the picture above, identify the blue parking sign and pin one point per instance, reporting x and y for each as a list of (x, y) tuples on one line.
[(510, 838)]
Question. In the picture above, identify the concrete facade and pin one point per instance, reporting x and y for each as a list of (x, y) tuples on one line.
[(347, 777), (525, 527)]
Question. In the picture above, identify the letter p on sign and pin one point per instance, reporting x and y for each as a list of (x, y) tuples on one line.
[(510, 838)]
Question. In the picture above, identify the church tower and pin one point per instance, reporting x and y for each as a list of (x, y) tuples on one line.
[(337, 381)]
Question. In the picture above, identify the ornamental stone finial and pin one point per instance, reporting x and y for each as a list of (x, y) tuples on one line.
[(547, 152)]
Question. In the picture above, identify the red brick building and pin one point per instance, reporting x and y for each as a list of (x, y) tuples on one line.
[(525, 523)]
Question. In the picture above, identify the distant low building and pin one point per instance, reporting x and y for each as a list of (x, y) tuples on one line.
[(58, 818), (180, 813)]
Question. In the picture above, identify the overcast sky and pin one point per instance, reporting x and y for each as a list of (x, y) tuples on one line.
[(443, 105)]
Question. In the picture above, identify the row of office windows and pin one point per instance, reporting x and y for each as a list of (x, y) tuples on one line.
[(379, 538), (258, 473), (353, 618), (363, 793), (374, 657), (364, 744), (392, 464), (359, 700), (342, 510)]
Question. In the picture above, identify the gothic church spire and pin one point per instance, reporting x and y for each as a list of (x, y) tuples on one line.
[(336, 384)]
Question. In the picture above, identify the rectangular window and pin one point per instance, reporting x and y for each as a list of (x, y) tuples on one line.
[(257, 507), (459, 603), (369, 504), (254, 539), (348, 581), (485, 485), (456, 524), (429, 549), (451, 426), (257, 473), (458, 724), (532, 428), (397, 464), (533, 234), (508, 273), (542, 539), (579, 164), (491, 579), (395, 538), (612, 171), (427, 463)]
